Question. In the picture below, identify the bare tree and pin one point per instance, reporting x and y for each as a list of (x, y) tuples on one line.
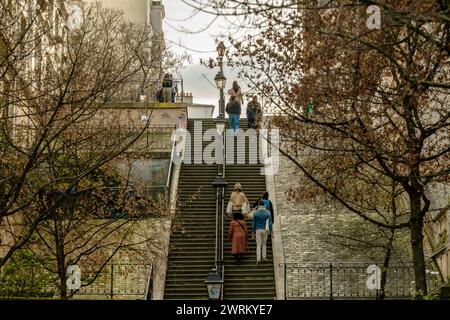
[(92, 224), (55, 82), (372, 101)]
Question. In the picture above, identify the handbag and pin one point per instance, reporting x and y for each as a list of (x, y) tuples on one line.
[(229, 208), (245, 208), (267, 226)]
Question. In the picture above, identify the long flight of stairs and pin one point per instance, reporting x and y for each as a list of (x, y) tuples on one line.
[(192, 243)]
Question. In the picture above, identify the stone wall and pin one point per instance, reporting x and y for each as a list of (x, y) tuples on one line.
[(306, 227)]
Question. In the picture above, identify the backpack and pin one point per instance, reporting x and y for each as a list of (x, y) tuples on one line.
[(266, 204)]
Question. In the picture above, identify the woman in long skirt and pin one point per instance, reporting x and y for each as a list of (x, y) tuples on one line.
[(238, 235)]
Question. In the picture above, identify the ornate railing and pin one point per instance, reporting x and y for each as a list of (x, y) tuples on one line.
[(114, 280), (349, 281)]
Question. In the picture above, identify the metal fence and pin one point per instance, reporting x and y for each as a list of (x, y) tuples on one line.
[(117, 280), (348, 281), (130, 279)]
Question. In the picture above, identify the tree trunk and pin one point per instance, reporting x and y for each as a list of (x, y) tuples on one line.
[(384, 271), (417, 243), (60, 256), (63, 284)]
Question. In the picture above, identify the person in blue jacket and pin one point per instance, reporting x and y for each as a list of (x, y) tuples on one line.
[(260, 218), (267, 204)]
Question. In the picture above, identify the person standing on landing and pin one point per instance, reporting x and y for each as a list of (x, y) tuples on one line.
[(238, 92), (259, 231), (254, 112), (233, 108), (167, 88), (238, 235)]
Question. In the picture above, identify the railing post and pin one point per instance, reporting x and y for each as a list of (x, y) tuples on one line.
[(331, 281), (112, 281), (285, 282), (149, 293)]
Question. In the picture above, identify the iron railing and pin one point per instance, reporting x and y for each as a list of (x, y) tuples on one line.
[(170, 173), (349, 281), (114, 280), (124, 279)]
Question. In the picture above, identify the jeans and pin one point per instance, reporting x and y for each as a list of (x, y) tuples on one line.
[(234, 122), (261, 244)]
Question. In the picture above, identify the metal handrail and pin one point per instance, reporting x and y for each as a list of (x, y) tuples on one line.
[(216, 254), (223, 279), (222, 190), (222, 203), (169, 175), (149, 284), (444, 250), (224, 152)]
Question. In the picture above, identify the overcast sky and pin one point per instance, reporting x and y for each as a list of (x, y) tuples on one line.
[(183, 33)]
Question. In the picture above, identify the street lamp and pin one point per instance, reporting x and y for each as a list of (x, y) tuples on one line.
[(214, 284), (220, 120), (220, 80)]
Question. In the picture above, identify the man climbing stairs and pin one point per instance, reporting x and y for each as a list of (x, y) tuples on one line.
[(192, 243)]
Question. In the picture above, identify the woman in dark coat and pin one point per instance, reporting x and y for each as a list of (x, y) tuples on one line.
[(238, 235)]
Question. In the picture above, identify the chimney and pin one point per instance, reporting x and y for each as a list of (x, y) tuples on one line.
[(187, 97)]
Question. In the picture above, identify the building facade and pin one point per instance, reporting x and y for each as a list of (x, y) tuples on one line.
[(24, 60), (149, 15)]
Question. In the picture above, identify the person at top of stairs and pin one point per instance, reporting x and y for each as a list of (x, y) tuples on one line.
[(254, 112), (238, 235), (233, 108), (238, 200), (261, 231), (237, 91)]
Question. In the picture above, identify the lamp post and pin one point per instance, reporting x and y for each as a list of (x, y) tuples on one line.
[(220, 120), (219, 183), (220, 79), (214, 281)]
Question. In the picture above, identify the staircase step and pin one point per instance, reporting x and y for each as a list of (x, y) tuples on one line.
[(192, 243)]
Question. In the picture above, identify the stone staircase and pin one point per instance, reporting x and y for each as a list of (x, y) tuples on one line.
[(247, 281), (192, 242)]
